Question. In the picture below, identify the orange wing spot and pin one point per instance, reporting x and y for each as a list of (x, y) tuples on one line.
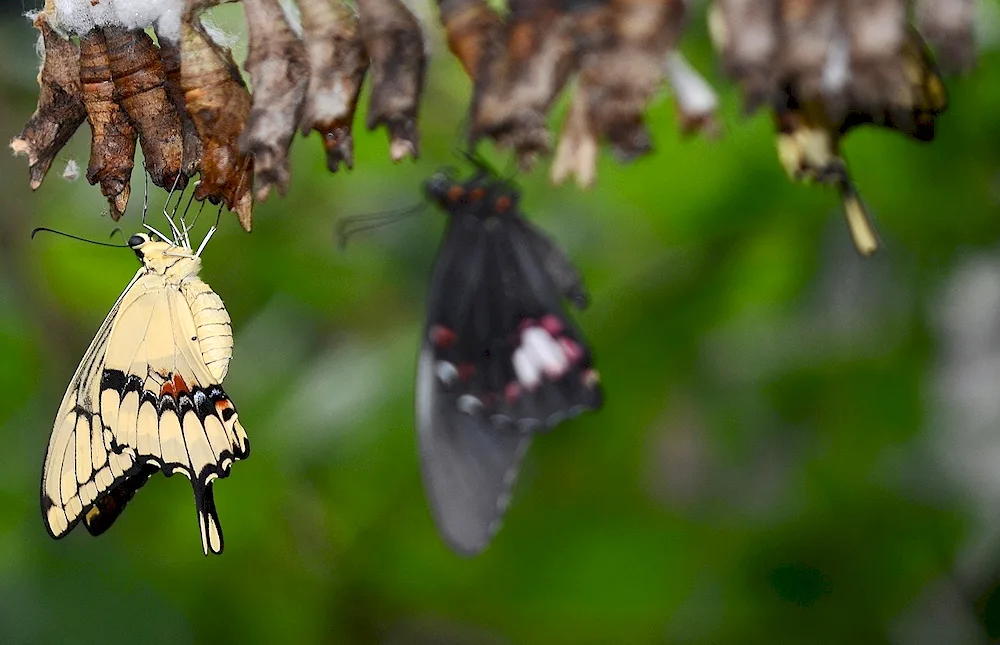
[(455, 193), (476, 194), (224, 404), (174, 386), (502, 204)]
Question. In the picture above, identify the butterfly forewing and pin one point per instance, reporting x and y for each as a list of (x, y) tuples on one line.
[(144, 398)]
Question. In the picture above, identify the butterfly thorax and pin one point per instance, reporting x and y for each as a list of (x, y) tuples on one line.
[(174, 263), (483, 197), (179, 267)]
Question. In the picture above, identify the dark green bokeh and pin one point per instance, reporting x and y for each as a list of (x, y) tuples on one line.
[(767, 468)]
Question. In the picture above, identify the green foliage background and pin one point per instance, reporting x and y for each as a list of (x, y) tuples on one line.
[(778, 460)]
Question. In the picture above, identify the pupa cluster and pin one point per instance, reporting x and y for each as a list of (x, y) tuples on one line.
[(181, 97), (823, 67)]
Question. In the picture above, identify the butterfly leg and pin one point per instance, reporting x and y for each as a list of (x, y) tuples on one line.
[(210, 233), (187, 228), (179, 237)]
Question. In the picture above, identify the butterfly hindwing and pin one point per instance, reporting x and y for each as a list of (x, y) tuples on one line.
[(468, 466)]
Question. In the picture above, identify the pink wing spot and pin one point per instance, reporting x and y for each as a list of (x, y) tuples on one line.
[(465, 371), (441, 336), (512, 392), (553, 372), (571, 348), (552, 324)]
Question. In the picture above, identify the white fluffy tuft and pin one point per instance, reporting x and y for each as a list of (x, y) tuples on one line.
[(73, 16), (168, 25), (103, 12), (217, 34), (81, 16), (138, 14)]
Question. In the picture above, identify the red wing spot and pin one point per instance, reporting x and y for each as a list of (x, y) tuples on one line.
[(502, 204), (168, 389), (552, 324), (571, 348), (441, 336), (455, 193), (512, 392), (224, 404), (465, 371), (476, 194)]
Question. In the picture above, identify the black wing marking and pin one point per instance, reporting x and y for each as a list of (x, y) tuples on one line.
[(109, 506)]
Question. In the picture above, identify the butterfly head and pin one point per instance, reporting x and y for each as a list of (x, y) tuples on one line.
[(482, 195), (164, 258)]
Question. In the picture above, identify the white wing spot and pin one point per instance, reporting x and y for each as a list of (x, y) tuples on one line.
[(469, 404), (446, 372)]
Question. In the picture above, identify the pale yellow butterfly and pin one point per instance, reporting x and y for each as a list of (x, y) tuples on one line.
[(147, 396)]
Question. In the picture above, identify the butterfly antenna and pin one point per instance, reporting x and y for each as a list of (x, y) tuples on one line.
[(145, 212), (45, 229), (348, 227)]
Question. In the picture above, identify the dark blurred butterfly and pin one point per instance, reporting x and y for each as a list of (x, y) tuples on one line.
[(500, 358)]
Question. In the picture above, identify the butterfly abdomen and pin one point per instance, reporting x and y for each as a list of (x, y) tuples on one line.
[(215, 332)]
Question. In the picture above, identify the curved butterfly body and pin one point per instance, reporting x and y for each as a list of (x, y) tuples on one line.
[(500, 358), (146, 397)]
